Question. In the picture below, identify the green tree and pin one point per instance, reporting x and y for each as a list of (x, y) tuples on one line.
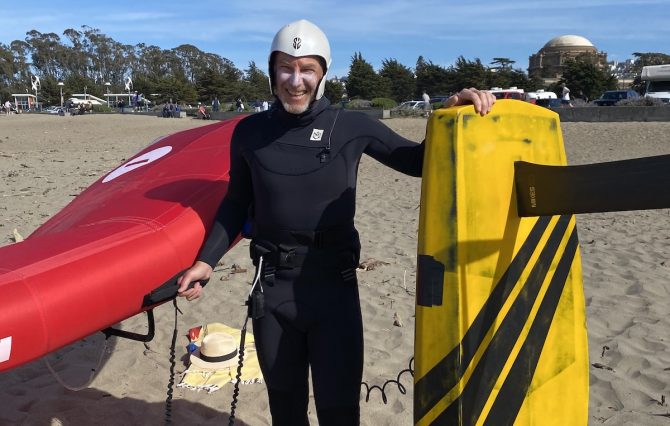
[(168, 88), (256, 84), (154, 62), (585, 78), (89, 58), (502, 63), (363, 82), (469, 73), (649, 58), (76, 60), (22, 71), (399, 79), (508, 77), (333, 91), (7, 68), (101, 51), (209, 83), (218, 76), (192, 61), (77, 84), (47, 53), (434, 79)]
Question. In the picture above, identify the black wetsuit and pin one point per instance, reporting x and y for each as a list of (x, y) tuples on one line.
[(295, 176)]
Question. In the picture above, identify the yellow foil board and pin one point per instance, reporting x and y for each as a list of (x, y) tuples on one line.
[(500, 314)]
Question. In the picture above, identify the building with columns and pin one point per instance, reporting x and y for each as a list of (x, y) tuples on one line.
[(549, 61)]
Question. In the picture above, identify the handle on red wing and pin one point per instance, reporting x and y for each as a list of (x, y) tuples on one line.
[(167, 291)]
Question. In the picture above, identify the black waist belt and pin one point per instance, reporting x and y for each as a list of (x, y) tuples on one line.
[(332, 237), (280, 256)]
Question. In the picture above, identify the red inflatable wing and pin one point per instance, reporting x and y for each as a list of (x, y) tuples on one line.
[(92, 264)]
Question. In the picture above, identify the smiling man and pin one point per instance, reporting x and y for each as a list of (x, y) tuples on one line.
[(293, 181)]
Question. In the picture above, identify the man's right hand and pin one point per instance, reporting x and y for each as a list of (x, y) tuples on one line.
[(200, 271), (481, 99)]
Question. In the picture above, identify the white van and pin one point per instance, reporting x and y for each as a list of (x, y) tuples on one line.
[(658, 82), (510, 93), (532, 97)]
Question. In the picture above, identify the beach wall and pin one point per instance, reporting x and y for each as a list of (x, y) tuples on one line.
[(614, 114), (567, 115), (224, 115)]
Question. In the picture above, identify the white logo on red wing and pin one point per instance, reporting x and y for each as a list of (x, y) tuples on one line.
[(5, 348), (138, 162)]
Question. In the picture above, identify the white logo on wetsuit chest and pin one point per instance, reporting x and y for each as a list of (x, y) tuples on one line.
[(317, 134)]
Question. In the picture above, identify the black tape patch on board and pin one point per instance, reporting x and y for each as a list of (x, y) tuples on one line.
[(429, 282)]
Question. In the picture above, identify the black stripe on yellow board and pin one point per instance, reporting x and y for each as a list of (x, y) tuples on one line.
[(513, 392), (480, 384), (432, 387)]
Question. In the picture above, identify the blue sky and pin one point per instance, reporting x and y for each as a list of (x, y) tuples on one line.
[(440, 30)]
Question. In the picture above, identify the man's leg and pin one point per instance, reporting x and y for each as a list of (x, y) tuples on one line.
[(282, 355), (336, 358)]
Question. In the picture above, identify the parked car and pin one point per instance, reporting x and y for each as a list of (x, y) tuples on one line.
[(438, 99), (550, 103), (540, 95), (509, 93), (53, 110), (658, 82), (611, 97), (411, 105)]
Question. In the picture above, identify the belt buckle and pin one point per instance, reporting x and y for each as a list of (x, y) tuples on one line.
[(286, 257)]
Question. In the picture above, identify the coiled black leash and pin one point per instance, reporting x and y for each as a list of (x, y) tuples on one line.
[(166, 292), (255, 309), (238, 376), (382, 389), (168, 400)]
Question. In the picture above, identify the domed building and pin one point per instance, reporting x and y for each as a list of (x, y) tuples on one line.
[(548, 62)]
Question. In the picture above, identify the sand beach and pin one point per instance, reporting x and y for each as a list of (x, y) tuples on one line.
[(46, 160)]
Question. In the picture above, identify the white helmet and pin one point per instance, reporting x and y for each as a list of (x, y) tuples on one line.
[(301, 38)]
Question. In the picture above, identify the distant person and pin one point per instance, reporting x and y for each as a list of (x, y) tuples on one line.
[(583, 96), (8, 107), (239, 105), (216, 105), (426, 103), (202, 111), (265, 105), (565, 95)]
